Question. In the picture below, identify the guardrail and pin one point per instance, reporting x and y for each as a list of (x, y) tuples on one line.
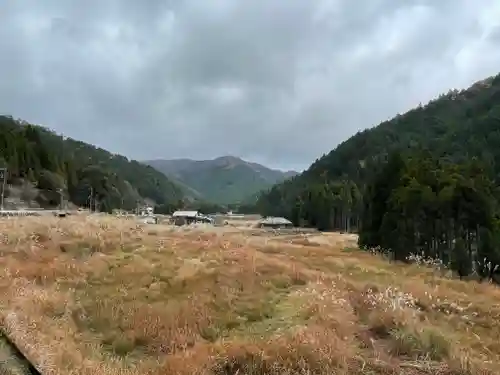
[(33, 212), (20, 213)]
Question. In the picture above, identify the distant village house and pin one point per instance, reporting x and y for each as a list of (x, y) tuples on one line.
[(190, 217), (275, 223)]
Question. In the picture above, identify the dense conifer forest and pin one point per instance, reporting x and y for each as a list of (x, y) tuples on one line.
[(425, 182)]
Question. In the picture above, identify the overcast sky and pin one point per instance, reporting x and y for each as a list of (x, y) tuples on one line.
[(273, 81)]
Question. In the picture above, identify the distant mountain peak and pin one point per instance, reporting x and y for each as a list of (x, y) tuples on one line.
[(229, 158), (225, 179), (228, 161)]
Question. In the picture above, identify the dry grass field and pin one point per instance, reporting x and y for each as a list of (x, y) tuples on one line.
[(85, 295)]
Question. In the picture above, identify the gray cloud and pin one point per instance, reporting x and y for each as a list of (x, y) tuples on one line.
[(275, 82)]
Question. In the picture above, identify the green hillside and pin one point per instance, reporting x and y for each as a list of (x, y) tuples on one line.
[(47, 162), (222, 180), (455, 127)]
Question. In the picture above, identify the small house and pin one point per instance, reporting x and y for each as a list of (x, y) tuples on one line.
[(275, 223)]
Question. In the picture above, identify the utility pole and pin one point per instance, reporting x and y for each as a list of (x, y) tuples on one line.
[(60, 199), (91, 198), (3, 176)]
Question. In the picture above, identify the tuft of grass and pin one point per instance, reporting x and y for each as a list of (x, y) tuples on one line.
[(421, 343)]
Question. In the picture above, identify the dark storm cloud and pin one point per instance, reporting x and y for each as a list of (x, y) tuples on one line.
[(276, 82)]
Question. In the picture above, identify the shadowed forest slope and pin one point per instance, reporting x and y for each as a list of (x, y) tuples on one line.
[(41, 163)]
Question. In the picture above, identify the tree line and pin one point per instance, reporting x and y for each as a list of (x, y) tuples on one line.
[(435, 208), (413, 203)]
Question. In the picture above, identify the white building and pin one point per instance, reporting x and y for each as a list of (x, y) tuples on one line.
[(275, 222)]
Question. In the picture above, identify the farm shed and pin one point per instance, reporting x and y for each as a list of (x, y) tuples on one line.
[(189, 217), (275, 222)]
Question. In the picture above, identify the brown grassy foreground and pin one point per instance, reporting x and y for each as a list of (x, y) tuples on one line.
[(107, 296)]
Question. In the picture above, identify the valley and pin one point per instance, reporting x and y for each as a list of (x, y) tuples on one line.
[(383, 257)]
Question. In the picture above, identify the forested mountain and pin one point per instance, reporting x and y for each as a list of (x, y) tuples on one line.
[(48, 162), (454, 127), (223, 180), (437, 194)]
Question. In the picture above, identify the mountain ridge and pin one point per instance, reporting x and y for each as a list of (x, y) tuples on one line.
[(224, 179)]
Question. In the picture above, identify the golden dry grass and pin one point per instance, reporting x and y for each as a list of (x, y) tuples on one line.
[(107, 296)]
